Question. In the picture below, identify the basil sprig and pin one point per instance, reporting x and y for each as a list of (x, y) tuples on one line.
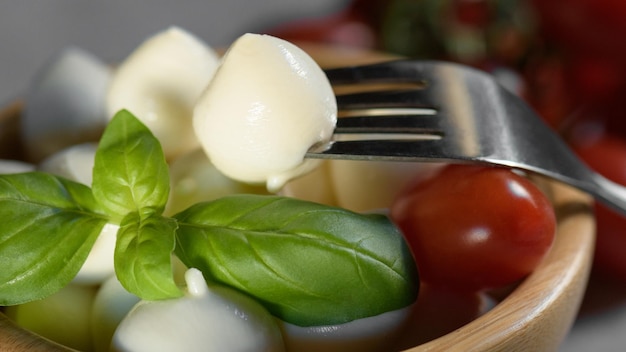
[(131, 182), (307, 263)]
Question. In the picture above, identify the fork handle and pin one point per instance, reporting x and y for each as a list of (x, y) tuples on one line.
[(609, 193), (605, 191)]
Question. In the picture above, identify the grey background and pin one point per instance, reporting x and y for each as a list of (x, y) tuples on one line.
[(32, 31)]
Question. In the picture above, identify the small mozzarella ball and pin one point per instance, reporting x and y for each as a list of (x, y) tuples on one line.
[(207, 319), (268, 103), (8, 166), (316, 186), (368, 185), (65, 103), (160, 82), (372, 334), (75, 163), (63, 317), (99, 264), (111, 305), (195, 179)]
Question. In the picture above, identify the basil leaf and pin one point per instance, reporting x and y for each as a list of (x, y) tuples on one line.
[(309, 264), (143, 254), (130, 170), (50, 225)]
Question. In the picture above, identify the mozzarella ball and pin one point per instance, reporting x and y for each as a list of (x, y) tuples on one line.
[(160, 82), (371, 334), (370, 185), (194, 179), (100, 263), (208, 319), (8, 166), (267, 105), (316, 186), (110, 306), (65, 103), (75, 163)]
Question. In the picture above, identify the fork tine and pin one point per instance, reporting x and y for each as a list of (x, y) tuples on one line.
[(394, 71), (407, 124), (413, 98), (387, 149)]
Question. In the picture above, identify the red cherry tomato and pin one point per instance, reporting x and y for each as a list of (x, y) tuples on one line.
[(475, 227), (597, 117), (594, 79), (547, 89), (585, 26), (607, 155)]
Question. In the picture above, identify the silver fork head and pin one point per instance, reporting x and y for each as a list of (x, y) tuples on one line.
[(444, 116), (454, 114)]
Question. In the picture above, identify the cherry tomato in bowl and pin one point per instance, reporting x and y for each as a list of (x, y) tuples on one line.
[(475, 227)]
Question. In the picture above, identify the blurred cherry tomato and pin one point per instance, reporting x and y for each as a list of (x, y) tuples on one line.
[(596, 116), (547, 90), (594, 26), (475, 227), (593, 79), (607, 155)]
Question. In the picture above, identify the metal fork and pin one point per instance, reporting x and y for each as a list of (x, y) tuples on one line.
[(453, 113)]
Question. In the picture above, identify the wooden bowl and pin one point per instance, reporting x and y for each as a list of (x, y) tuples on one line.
[(535, 316)]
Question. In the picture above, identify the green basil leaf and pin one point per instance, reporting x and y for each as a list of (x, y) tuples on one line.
[(50, 225), (309, 264), (143, 254), (130, 170)]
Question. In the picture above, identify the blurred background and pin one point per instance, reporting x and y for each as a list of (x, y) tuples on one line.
[(32, 31), (567, 61)]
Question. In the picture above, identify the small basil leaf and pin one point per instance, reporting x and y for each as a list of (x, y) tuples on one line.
[(130, 170), (143, 254), (49, 227), (309, 264)]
